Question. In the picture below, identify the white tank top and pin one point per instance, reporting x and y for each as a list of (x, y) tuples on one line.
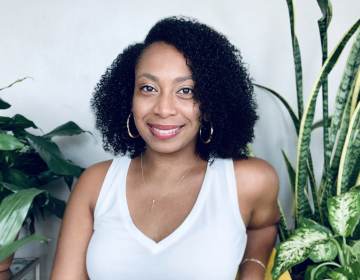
[(209, 244)]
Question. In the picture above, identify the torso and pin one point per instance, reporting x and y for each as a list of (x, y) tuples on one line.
[(169, 212)]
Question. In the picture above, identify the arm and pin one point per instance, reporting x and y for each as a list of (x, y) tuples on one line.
[(77, 225), (262, 190)]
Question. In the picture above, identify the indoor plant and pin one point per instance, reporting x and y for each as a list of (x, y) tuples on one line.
[(321, 244), (28, 163)]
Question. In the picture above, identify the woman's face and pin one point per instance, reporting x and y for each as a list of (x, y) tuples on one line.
[(165, 112)]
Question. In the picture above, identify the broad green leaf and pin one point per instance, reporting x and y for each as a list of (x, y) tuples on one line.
[(350, 159), (298, 247), (66, 129), (12, 247), (51, 154), (315, 272), (297, 59), (341, 273), (323, 252), (355, 251), (344, 212), (9, 142), (301, 209), (13, 210), (4, 105)]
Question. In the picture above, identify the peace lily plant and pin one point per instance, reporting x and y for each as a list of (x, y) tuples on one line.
[(28, 163), (325, 242)]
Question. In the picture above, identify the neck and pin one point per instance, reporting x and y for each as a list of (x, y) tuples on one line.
[(168, 167)]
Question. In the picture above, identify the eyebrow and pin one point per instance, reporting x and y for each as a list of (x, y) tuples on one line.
[(154, 78)]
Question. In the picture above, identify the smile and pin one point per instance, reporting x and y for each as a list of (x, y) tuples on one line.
[(164, 131)]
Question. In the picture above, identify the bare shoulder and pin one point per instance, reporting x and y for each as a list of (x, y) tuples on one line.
[(256, 179), (91, 180)]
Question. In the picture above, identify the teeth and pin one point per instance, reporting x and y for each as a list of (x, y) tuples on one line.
[(166, 132)]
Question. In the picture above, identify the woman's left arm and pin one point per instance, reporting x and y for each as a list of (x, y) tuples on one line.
[(262, 191)]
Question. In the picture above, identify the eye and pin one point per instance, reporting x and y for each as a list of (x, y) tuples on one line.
[(147, 88), (186, 92)]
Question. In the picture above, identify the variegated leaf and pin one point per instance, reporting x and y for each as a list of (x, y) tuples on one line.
[(344, 212), (323, 252), (298, 247)]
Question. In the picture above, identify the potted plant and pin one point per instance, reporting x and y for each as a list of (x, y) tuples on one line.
[(28, 163), (325, 240)]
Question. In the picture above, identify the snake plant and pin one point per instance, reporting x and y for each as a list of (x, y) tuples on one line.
[(28, 163), (325, 241)]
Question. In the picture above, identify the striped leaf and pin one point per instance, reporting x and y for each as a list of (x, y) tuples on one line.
[(301, 209), (290, 170), (299, 245), (13, 210), (283, 225), (350, 158), (350, 72), (297, 59), (344, 212)]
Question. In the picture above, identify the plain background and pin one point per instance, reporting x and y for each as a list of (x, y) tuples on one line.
[(67, 45)]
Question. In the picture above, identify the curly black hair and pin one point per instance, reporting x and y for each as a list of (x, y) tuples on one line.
[(222, 88)]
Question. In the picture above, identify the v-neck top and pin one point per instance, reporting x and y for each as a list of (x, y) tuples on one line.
[(208, 244)]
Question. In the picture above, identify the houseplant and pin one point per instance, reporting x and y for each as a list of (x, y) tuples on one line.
[(28, 163), (324, 243)]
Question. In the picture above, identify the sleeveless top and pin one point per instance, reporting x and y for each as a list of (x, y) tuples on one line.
[(208, 244)]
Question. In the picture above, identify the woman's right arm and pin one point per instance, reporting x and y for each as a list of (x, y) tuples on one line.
[(77, 225)]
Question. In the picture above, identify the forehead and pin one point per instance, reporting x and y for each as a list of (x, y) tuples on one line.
[(163, 58)]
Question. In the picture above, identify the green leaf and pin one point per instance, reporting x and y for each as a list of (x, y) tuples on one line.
[(323, 252), (9, 142), (341, 273), (290, 170), (12, 247), (301, 209), (350, 159), (51, 154), (293, 116), (4, 105), (355, 251), (66, 129), (283, 226), (344, 212), (297, 59), (13, 210), (299, 245)]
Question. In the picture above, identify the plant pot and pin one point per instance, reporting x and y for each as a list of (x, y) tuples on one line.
[(5, 264)]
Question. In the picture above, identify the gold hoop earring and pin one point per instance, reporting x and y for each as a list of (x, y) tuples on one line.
[(128, 127), (210, 136)]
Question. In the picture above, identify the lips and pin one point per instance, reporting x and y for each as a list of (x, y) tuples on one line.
[(165, 131)]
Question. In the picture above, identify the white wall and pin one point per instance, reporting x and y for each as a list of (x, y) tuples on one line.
[(66, 45)]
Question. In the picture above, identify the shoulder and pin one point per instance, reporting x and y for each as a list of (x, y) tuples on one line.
[(257, 180), (89, 183)]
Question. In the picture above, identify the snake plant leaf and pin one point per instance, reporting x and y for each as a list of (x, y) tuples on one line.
[(13, 210), (326, 10), (350, 159), (293, 116), (9, 142), (344, 212), (297, 59), (51, 154), (283, 225), (4, 105), (66, 129), (351, 68), (298, 247), (323, 252), (301, 209), (12, 247), (290, 170)]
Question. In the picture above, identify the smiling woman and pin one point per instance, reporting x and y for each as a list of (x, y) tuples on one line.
[(182, 198)]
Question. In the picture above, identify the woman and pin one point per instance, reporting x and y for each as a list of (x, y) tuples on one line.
[(184, 200)]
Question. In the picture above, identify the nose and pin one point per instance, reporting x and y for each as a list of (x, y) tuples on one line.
[(165, 105)]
